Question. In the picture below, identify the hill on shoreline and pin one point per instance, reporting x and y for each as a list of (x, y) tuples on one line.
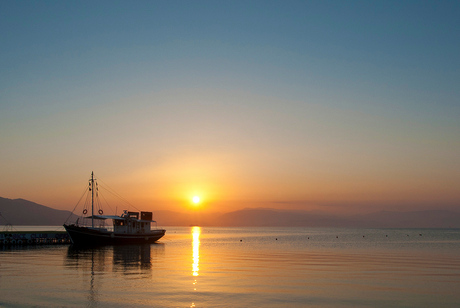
[(381, 219), (24, 212)]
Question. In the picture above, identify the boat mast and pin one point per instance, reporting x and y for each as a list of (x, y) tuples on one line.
[(92, 199)]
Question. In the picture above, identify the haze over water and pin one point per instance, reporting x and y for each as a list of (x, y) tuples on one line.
[(243, 267)]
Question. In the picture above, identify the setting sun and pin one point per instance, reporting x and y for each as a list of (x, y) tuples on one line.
[(196, 199)]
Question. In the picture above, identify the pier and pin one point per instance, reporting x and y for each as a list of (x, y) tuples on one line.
[(10, 238)]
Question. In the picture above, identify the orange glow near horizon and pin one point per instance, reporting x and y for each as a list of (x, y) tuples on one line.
[(173, 185)]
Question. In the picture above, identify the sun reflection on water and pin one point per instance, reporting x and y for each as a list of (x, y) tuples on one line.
[(196, 231)]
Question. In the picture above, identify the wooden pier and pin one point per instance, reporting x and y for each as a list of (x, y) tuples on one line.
[(12, 238)]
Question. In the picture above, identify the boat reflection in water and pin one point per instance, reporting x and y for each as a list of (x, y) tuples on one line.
[(114, 258), (103, 266)]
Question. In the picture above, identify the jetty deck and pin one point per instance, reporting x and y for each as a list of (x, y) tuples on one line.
[(8, 238)]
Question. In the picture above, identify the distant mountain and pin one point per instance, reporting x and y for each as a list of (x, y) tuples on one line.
[(171, 218), (414, 219), (382, 219), (260, 217), (23, 212), (278, 218)]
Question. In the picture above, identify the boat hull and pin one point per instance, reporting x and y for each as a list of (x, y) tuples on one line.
[(87, 236)]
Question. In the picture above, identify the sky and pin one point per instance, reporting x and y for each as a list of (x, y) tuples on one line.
[(337, 106)]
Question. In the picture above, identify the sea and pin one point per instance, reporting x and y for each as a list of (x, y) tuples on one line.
[(242, 267)]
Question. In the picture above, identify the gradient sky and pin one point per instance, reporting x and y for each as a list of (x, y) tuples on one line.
[(329, 105)]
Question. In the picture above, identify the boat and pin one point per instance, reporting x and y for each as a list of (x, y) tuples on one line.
[(128, 228)]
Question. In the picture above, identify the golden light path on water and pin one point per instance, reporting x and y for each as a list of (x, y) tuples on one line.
[(196, 231)]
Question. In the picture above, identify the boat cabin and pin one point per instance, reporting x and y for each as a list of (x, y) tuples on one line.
[(129, 223)]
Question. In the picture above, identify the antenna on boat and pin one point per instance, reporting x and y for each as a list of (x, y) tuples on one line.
[(92, 199)]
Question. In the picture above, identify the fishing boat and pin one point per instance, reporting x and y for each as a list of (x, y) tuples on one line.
[(128, 228)]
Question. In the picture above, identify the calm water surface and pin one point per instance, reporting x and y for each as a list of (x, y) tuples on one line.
[(243, 267)]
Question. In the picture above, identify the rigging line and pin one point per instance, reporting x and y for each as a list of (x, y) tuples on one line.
[(113, 192), (87, 204), (77, 204), (108, 188), (121, 198), (102, 195), (99, 205), (88, 200)]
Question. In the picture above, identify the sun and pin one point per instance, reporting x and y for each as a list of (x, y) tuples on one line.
[(196, 199)]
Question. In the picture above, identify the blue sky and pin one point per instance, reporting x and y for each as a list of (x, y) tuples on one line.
[(310, 103)]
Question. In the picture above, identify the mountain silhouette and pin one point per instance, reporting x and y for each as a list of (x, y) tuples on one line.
[(381, 219), (23, 212)]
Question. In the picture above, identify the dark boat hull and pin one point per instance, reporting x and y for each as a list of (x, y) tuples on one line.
[(87, 236)]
